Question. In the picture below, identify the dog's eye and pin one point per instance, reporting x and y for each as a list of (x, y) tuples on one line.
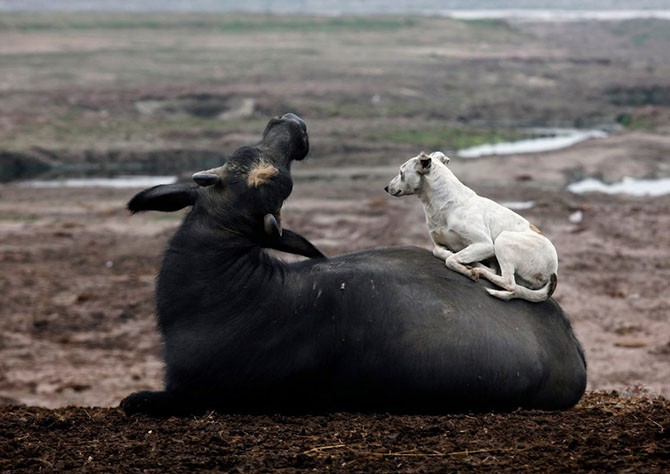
[(402, 175)]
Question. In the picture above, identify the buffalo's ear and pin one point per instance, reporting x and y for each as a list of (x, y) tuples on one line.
[(164, 197), (294, 243)]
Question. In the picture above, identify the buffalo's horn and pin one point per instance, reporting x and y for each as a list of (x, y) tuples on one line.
[(206, 178), (271, 226)]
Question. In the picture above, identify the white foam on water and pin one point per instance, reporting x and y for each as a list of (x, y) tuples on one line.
[(635, 187)]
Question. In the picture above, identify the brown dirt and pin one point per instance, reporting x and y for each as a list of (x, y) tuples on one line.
[(604, 433)]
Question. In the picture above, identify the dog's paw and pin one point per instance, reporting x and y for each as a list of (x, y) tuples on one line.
[(471, 273), (500, 294)]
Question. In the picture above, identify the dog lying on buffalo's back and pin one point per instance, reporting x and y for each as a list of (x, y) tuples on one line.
[(379, 330), (467, 229)]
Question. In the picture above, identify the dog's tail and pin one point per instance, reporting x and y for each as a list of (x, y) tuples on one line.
[(527, 294)]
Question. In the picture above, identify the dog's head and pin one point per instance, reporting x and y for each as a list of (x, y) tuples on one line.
[(410, 178)]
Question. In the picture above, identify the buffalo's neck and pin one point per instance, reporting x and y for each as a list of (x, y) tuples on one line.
[(211, 269)]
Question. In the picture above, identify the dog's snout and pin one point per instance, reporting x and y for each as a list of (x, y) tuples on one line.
[(386, 188)]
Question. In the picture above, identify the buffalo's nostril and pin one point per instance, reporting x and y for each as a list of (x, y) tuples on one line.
[(297, 119)]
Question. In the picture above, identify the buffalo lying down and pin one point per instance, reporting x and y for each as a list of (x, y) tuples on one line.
[(384, 330)]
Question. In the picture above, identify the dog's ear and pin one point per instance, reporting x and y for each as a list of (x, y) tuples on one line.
[(441, 157), (423, 165)]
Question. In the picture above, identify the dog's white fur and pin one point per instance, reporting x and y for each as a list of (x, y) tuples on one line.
[(467, 229)]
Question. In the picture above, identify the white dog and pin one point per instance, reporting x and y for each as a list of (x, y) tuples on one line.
[(467, 229)]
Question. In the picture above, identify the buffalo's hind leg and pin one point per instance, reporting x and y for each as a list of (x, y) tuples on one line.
[(157, 404)]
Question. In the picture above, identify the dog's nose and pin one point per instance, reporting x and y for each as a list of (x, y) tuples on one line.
[(386, 188)]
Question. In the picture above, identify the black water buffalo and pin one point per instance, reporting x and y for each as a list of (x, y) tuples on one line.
[(382, 330)]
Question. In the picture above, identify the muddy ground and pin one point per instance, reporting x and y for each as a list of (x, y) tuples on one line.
[(77, 326), (77, 272), (602, 434), (101, 92)]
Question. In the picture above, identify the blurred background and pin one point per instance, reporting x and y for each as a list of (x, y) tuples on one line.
[(561, 114)]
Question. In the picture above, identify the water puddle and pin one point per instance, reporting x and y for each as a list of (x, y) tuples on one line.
[(552, 139), (558, 15), (634, 187), (518, 205), (116, 182)]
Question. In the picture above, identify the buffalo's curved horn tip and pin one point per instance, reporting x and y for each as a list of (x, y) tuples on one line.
[(271, 226), (203, 178)]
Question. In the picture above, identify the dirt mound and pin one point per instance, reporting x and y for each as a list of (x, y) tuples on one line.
[(604, 433)]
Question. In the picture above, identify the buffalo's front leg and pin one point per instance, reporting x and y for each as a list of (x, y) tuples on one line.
[(158, 404)]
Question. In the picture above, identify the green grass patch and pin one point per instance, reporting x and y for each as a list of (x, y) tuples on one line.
[(72, 130), (436, 136), (492, 30), (226, 22), (172, 217), (488, 23), (294, 24), (19, 217), (640, 33), (634, 122)]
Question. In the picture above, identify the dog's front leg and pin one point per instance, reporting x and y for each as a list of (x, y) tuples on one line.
[(442, 252), (460, 261)]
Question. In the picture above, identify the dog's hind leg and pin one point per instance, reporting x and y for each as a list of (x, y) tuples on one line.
[(460, 261), (504, 280), (507, 281)]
